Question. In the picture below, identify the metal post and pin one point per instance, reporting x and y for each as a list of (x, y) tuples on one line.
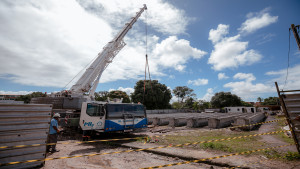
[(296, 34)]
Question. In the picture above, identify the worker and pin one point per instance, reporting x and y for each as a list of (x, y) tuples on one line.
[(53, 133)]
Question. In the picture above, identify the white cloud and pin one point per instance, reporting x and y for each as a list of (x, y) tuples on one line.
[(222, 76), (245, 76), (265, 38), (127, 90), (230, 52), (48, 42), (162, 16), (292, 83), (174, 99), (297, 53), (257, 21), (16, 92), (209, 94), (215, 35), (198, 82), (171, 53), (174, 52), (171, 77), (247, 89)]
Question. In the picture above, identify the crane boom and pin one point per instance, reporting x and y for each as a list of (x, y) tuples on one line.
[(88, 82)]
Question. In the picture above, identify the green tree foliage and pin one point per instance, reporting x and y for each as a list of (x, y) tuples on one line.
[(271, 101), (101, 96), (183, 92), (259, 99), (157, 95), (119, 94), (225, 99), (246, 104), (186, 96), (27, 98), (104, 95), (177, 105), (189, 102), (201, 105)]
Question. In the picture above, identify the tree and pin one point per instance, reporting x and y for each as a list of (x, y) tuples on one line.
[(104, 95), (156, 96), (201, 105), (183, 92), (246, 104), (27, 98), (225, 99), (119, 94), (176, 105), (259, 99), (189, 102), (271, 101), (101, 96)]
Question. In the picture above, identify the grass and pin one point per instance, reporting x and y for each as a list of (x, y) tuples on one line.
[(292, 156), (283, 136), (230, 146), (236, 145)]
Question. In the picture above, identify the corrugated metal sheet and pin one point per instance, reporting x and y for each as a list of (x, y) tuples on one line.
[(292, 103), (24, 125)]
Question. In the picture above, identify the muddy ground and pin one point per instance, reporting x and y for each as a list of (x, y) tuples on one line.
[(162, 156)]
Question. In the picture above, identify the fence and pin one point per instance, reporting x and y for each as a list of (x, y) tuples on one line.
[(23, 124)]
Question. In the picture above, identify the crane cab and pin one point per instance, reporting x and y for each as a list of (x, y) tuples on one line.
[(112, 117)]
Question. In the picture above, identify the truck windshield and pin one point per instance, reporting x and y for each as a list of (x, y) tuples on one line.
[(95, 110), (117, 110)]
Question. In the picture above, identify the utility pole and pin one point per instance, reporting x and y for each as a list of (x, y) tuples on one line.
[(293, 27)]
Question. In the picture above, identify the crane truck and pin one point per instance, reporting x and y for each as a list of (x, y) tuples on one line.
[(79, 105)]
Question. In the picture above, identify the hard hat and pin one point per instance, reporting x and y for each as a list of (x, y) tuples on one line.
[(56, 115)]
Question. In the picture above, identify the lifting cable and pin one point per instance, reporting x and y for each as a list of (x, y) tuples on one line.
[(288, 64), (146, 64)]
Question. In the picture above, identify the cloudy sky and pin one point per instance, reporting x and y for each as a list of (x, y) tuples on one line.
[(209, 46)]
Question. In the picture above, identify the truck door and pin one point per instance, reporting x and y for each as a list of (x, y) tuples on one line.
[(92, 116)]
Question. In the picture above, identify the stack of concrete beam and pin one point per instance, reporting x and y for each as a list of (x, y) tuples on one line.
[(193, 120), (246, 120), (222, 121), (178, 122), (197, 122)]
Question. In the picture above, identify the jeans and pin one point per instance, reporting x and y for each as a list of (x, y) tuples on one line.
[(52, 139)]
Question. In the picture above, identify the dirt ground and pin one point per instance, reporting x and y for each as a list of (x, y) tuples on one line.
[(162, 156)]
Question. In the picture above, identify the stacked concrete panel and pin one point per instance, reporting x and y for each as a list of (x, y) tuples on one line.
[(57, 102), (197, 122), (194, 120), (60, 102), (178, 122), (249, 119), (222, 121), (163, 121), (23, 125)]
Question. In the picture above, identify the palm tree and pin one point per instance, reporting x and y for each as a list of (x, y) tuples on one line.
[(259, 99)]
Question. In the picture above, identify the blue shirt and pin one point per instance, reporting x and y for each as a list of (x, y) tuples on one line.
[(53, 123)]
